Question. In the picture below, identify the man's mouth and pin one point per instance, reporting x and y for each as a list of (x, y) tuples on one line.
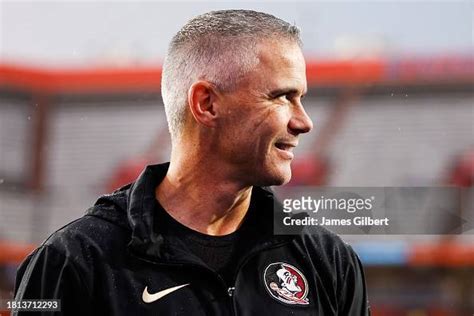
[(286, 145), (286, 148)]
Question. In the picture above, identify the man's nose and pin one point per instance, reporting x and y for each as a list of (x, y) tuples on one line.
[(300, 122)]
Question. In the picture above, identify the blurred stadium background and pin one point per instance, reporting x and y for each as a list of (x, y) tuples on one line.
[(390, 93)]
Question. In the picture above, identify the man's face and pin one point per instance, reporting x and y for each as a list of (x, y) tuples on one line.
[(262, 118)]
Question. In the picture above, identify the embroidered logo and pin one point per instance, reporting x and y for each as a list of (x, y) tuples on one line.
[(286, 283), (150, 298)]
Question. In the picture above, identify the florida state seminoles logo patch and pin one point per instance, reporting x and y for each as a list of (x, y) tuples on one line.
[(286, 284)]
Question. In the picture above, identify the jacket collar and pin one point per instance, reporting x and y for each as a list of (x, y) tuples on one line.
[(148, 242)]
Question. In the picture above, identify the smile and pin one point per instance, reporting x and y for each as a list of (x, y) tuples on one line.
[(285, 149)]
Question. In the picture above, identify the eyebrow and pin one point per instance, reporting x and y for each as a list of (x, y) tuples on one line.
[(283, 91)]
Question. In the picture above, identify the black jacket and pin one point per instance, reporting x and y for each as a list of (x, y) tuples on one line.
[(113, 259)]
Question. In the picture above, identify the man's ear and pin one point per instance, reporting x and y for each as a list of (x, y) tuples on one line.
[(201, 100)]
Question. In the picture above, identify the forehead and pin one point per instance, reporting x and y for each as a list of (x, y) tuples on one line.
[(281, 63)]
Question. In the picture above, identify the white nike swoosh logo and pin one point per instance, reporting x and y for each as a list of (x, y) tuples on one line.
[(150, 298)]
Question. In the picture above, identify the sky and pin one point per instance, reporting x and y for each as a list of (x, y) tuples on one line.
[(85, 33)]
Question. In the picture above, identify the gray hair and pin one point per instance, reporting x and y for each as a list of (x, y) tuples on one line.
[(219, 47)]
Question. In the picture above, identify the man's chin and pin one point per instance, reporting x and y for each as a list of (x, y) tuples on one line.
[(278, 176)]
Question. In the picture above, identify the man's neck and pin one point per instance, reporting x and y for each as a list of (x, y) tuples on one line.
[(203, 200)]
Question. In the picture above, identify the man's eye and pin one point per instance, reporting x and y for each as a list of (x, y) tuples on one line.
[(284, 97)]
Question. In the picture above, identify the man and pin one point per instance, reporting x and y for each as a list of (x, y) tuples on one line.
[(195, 236)]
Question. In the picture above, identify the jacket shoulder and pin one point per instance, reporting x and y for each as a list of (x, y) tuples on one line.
[(103, 227), (102, 233), (341, 266), (327, 251), (69, 257), (88, 235)]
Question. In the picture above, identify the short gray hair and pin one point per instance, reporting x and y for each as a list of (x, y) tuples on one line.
[(220, 47)]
